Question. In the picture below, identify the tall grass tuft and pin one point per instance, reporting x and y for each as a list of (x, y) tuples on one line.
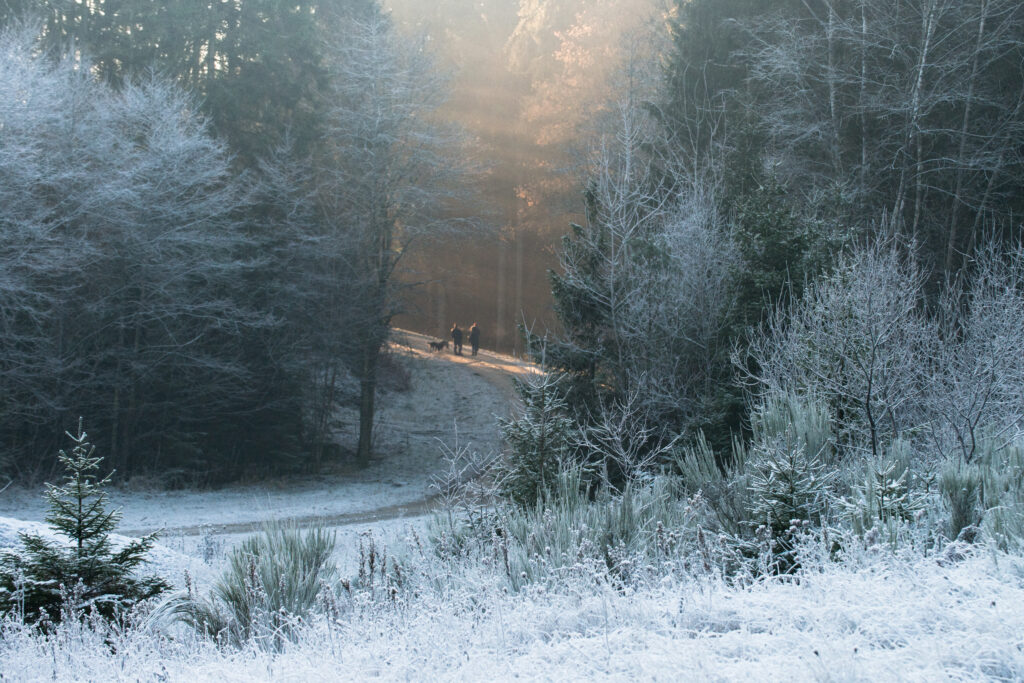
[(271, 585), (572, 532), (725, 488)]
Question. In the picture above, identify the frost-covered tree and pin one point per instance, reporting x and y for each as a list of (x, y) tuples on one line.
[(50, 580), (256, 67), (908, 107), (857, 107), (389, 174), (123, 262), (973, 388), (859, 340), (306, 278), (645, 295)]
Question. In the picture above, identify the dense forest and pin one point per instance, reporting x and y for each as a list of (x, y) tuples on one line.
[(779, 145), (207, 211), (204, 207)]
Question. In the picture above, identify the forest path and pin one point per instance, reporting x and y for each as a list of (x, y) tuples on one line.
[(452, 400)]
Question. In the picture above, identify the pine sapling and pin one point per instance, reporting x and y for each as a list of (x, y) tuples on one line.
[(38, 581)]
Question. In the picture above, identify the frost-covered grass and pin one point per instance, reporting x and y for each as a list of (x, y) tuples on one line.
[(876, 616)]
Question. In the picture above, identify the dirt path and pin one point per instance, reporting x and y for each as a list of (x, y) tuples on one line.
[(497, 369)]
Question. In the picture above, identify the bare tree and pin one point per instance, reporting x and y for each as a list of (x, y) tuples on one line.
[(644, 295), (858, 340), (977, 371), (912, 107)]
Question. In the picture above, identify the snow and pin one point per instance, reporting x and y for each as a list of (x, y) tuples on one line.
[(887, 619), (876, 616)]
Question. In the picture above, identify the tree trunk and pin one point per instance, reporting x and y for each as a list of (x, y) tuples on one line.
[(833, 107), (367, 393), (323, 414), (115, 413), (914, 121), (863, 100), (500, 306), (962, 151)]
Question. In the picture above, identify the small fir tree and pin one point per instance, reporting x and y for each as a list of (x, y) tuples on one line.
[(539, 442), (792, 473), (789, 485), (49, 580)]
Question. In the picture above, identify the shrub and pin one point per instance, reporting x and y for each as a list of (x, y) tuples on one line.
[(778, 483), (50, 580), (723, 485), (574, 532), (961, 489), (272, 583), (1003, 488)]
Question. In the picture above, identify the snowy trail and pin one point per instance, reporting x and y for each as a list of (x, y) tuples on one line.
[(416, 508), (447, 391)]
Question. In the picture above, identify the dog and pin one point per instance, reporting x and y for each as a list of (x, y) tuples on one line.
[(438, 346)]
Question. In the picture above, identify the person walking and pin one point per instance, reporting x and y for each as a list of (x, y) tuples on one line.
[(474, 338), (456, 339)]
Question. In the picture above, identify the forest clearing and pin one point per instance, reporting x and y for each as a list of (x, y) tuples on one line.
[(759, 267)]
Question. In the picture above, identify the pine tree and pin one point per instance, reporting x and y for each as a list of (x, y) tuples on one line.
[(50, 581)]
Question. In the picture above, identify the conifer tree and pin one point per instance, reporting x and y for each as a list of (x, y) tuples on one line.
[(540, 441), (49, 580)]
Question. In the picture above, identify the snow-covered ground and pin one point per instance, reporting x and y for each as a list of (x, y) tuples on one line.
[(878, 616), (882, 620), (447, 393)]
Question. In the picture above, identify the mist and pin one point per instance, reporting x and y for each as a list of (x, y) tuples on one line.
[(527, 79)]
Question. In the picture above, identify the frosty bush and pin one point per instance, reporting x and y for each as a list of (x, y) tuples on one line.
[(272, 583), (975, 380), (51, 580), (1003, 494), (912, 393), (858, 340), (788, 485), (791, 471), (784, 473)]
